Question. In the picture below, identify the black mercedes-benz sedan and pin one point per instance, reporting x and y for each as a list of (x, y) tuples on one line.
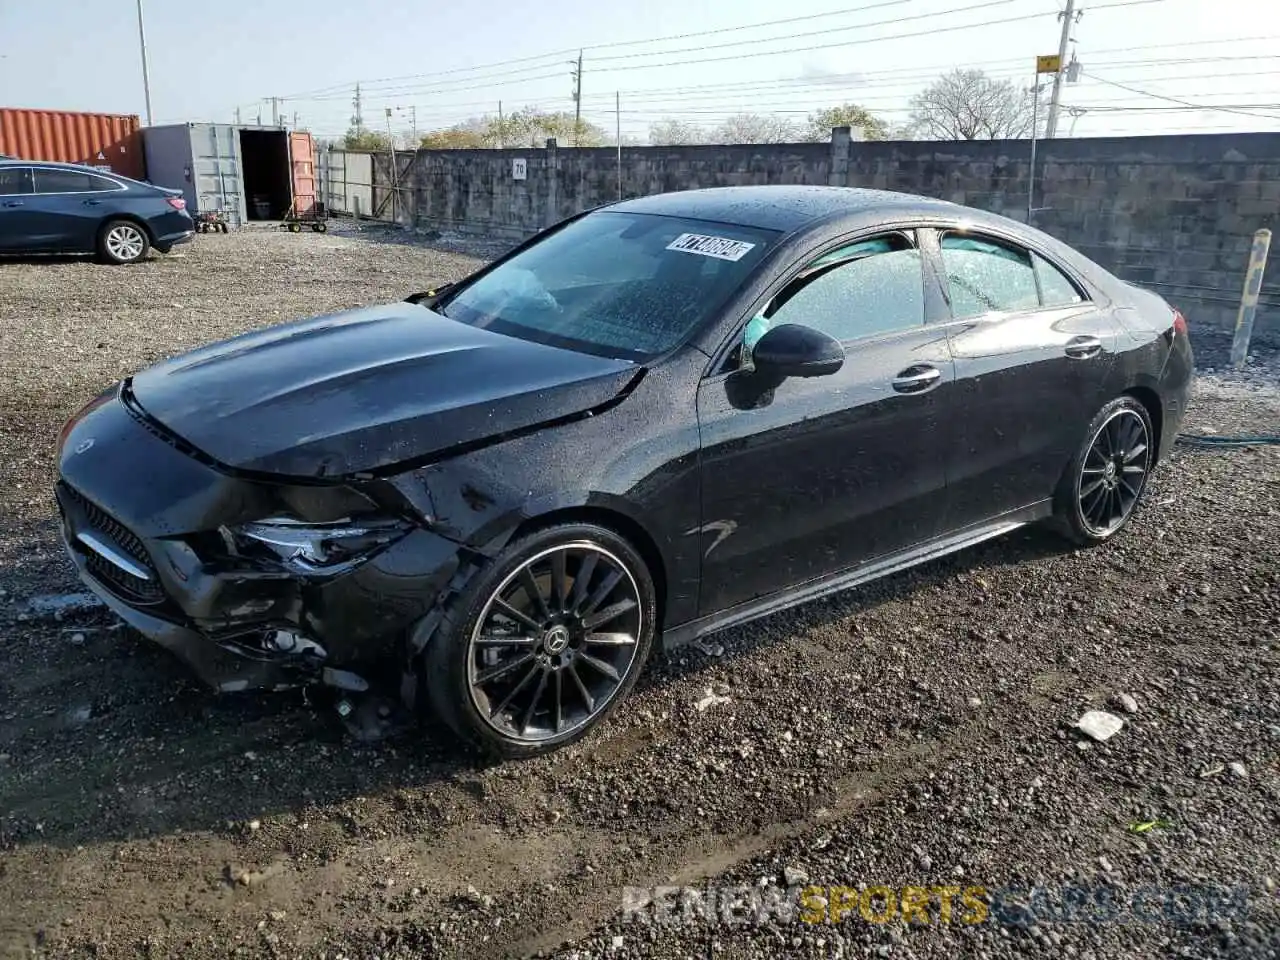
[(654, 420)]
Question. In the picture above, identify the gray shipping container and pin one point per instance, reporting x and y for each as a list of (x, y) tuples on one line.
[(242, 171)]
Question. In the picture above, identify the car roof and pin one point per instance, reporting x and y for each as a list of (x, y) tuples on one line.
[(55, 164), (783, 208)]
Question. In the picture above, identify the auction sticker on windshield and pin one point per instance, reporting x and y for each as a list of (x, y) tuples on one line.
[(722, 248)]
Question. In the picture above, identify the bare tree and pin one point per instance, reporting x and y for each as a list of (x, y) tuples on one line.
[(969, 105), (756, 128), (670, 132)]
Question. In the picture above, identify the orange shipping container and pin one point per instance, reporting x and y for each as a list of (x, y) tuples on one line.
[(95, 139)]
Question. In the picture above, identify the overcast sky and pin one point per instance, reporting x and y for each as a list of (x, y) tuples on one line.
[(449, 61)]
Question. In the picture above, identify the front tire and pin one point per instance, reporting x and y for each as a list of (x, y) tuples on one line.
[(544, 642), (122, 241), (1104, 481)]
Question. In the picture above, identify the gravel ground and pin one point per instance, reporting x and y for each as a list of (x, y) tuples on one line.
[(916, 732)]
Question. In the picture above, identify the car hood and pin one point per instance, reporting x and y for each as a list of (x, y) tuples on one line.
[(367, 389)]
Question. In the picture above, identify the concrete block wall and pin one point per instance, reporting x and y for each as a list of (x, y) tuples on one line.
[(1176, 214), (1173, 213)]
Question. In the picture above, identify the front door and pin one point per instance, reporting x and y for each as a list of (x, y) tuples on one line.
[(15, 208), (820, 474), (1032, 353)]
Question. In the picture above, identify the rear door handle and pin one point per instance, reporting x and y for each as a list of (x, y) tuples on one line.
[(92, 203), (1083, 347), (917, 379), (13, 203)]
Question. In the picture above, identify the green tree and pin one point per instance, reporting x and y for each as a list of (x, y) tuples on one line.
[(821, 122), (356, 139), (527, 127), (474, 134)]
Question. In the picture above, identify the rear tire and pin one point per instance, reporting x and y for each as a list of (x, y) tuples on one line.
[(122, 241), (578, 605), (1104, 481)]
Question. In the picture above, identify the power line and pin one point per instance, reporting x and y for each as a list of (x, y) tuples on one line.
[(618, 43), (985, 4), (1185, 103)]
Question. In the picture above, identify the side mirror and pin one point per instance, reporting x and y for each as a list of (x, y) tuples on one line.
[(792, 350)]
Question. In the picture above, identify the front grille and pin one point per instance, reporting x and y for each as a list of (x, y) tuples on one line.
[(87, 515)]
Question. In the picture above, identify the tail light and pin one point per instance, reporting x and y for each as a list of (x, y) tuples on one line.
[(176, 202), (1179, 323)]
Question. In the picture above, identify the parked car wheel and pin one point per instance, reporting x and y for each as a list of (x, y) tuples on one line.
[(123, 241), (542, 644), (1105, 479)]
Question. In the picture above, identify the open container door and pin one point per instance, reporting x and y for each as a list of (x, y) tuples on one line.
[(302, 159)]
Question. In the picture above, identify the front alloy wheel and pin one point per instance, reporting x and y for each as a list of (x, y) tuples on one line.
[(554, 641), (540, 648)]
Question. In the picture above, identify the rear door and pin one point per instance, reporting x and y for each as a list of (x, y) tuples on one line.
[(816, 475), (15, 208), (1031, 354), (70, 205)]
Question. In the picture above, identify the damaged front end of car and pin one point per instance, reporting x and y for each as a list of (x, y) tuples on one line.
[(256, 583)]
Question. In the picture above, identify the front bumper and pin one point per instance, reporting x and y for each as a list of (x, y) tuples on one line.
[(139, 520)]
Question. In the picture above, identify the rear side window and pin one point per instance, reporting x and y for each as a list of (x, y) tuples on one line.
[(987, 277), (1055, 289), (15, 180), (70, 181)]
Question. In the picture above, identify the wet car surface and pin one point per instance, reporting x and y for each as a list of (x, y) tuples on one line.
[(514, 487)]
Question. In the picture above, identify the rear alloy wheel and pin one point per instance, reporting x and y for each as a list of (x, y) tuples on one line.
[(1107, 476), (122, 241), (544, 643)]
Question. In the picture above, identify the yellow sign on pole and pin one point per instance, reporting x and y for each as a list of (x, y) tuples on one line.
[(1051, 63)]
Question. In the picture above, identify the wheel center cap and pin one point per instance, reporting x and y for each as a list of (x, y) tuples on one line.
[(1110, 472), (556, 639)]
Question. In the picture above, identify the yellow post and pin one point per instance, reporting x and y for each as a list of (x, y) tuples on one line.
[(1249, 299)]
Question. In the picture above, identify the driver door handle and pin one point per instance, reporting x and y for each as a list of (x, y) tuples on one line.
[(917, 379), (1083, 347), (13, 203), (92, 203)]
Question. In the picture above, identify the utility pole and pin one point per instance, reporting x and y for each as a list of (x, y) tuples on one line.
[(275, 111), (617, 119), (295, 119), (502, 128), (413, 122), (359, 117), (395, 178), (146, 73), (237, 116), (577, 98), (1069, 17)]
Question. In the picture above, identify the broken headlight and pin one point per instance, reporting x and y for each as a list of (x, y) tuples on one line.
[(315, 547)]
